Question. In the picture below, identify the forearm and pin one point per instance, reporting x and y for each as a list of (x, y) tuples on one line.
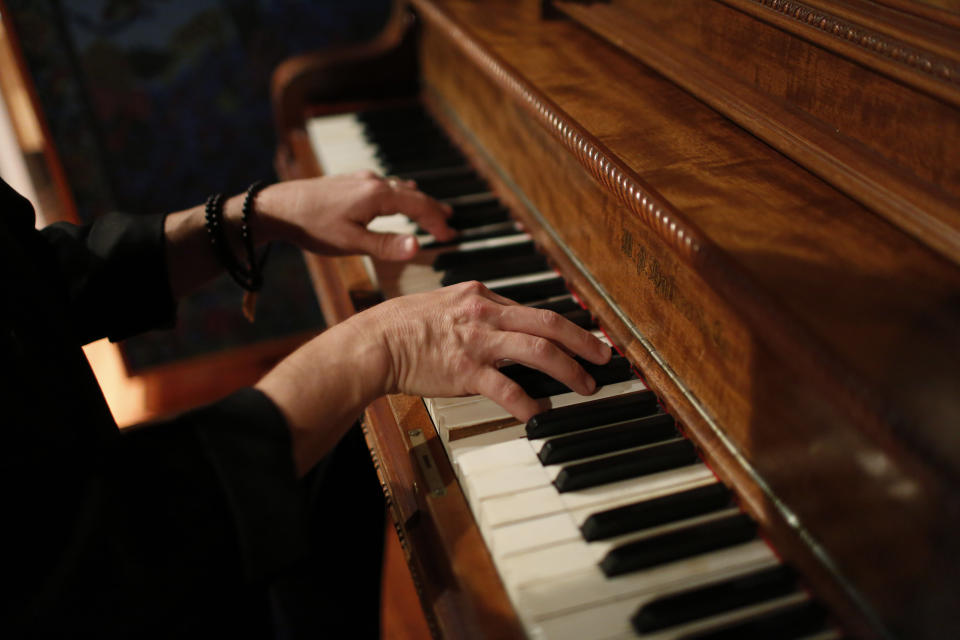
[(323, 387)]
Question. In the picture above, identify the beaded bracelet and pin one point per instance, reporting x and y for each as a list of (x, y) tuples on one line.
[(256, 267), (249, 276)]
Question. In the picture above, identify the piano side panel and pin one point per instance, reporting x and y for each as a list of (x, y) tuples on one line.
[(748, 407)]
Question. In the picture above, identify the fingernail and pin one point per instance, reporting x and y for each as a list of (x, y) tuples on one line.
[(409, 245)]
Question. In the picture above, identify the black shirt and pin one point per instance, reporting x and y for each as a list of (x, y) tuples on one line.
[(171, 528)]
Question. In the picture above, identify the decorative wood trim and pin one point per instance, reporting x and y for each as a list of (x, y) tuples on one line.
[(918, 67), (868, 39), (653, 209), (944, 16)]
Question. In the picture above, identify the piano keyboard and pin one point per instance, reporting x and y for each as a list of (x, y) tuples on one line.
[(602, 520)]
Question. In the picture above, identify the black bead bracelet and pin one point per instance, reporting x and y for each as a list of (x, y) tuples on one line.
[(250, 275)]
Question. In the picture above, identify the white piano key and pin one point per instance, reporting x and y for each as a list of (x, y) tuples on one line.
[(340, 146), (604, 622), (540, 276), (456, 413), (545, 500), (515, 507), (533, 534), (590, 587), (503, 481), (506, 454), (567, 557), (488, 243), (396, 223)]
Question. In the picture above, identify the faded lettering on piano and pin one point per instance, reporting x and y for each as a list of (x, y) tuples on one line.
[(666, 288)]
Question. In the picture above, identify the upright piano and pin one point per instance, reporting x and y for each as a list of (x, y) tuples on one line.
[(757, 203)]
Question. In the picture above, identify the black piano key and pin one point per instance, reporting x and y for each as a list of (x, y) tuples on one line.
[(393, 149), (531, 291), (448, 187), (439, 172), (456, 259), (411, 166), (410, 132), (478, 214), (580, 317), (676, 545), (558, 305), (539, 385), (616, 437), (623, 466), (393, 116), (479, 207), (508, 267), (656, 512), (789, 623), (592, 414), (714, 599)]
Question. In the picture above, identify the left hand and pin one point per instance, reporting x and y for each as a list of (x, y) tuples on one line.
[(329, 215)]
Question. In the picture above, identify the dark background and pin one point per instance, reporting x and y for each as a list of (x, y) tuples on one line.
[(155, 104)]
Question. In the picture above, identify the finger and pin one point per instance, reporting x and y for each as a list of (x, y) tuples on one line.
[(427, 212), (388, 246), (541, 354), (507, 393), (553, 326)]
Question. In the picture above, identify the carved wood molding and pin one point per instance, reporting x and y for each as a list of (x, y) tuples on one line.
[(671, 225), (869, 40)]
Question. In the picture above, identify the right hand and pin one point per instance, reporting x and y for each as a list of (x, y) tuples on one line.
[(451, 342), (448, 342)]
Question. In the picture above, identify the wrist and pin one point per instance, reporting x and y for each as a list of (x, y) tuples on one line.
[(266, 219)]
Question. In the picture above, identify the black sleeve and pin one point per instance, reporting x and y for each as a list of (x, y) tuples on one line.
[(115, 274), (181, 529), (242, 443)]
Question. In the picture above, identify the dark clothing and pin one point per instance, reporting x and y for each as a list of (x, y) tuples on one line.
[(169, 529)]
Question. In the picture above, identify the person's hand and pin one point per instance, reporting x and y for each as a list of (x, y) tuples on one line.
[(448, 342), (330, 215), (451, 342)]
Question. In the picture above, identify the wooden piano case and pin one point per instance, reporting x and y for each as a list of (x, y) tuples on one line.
[(759, 202)]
